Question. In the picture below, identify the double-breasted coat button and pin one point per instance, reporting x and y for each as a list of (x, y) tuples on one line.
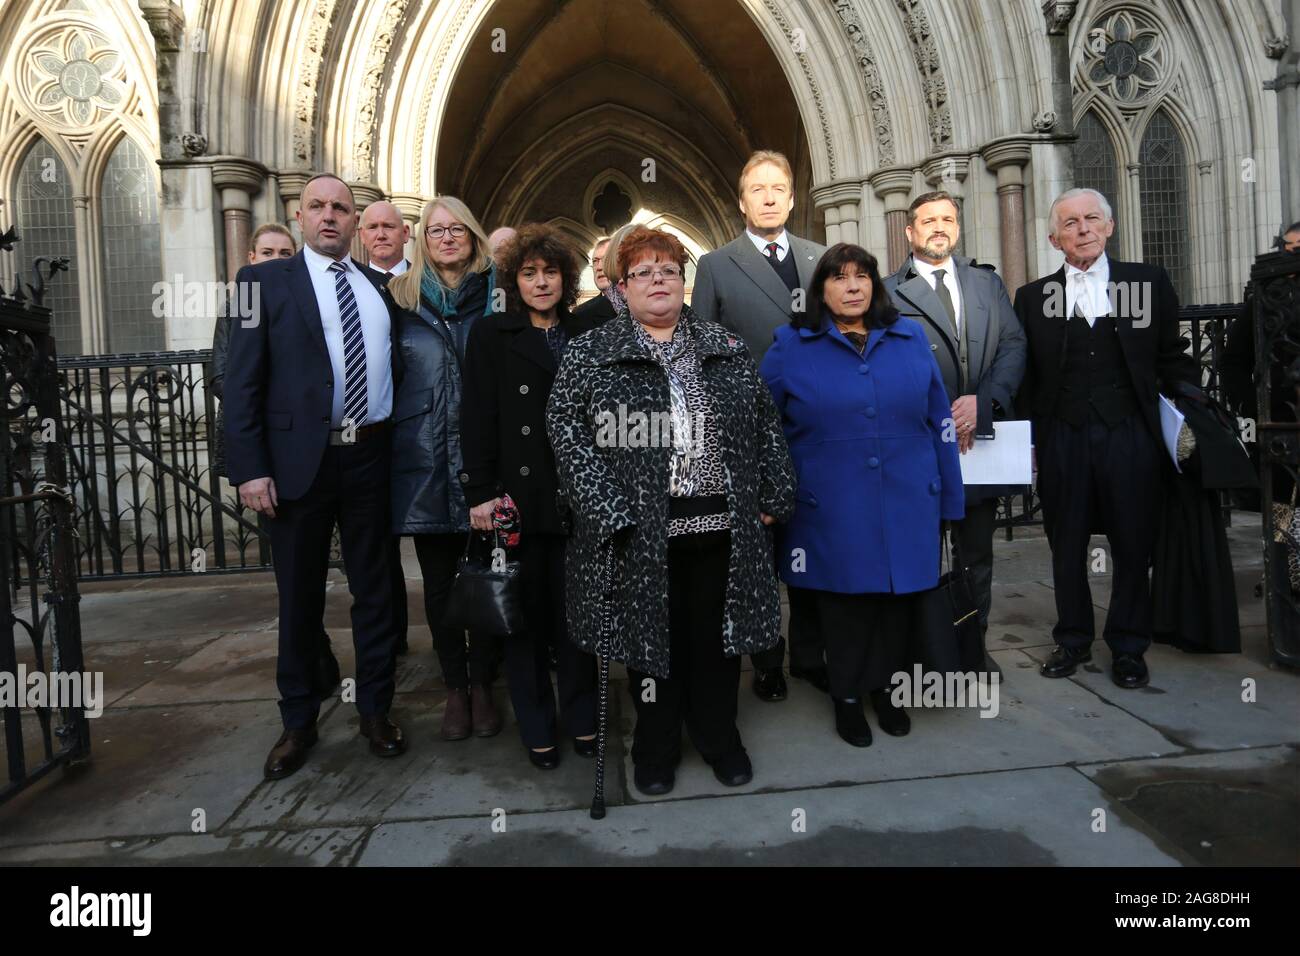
[(523, 389), (525, 430), (464, 479), (933, 347), (524, 471), (873, 461)]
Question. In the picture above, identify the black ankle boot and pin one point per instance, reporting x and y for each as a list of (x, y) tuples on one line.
[(851, 722), (893, 720)]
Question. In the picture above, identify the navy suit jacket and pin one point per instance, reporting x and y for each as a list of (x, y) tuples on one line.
[(279, 385)]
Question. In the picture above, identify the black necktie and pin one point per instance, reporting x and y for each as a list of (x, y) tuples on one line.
[(945, 299)]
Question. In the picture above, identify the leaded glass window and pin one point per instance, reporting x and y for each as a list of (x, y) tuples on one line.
[(1163, 191), (131, 240), (47, 226), (1095, 167)]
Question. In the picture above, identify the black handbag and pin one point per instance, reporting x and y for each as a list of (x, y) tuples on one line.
[(485, 598), (946, 626)]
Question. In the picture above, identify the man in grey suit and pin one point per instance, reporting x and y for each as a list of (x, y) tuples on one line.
[(753, 285), (981, 349)]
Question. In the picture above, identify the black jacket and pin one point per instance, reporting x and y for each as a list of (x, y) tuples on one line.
[(1146, 318), (427, 495), (596, 310), (509, 370)]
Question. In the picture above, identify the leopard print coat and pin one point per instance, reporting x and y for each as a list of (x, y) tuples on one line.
[(610, 486)]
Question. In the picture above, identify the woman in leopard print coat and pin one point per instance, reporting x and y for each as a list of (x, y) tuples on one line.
[(694, 583)]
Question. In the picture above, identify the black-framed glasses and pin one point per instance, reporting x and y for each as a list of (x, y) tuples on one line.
[(457, 231)]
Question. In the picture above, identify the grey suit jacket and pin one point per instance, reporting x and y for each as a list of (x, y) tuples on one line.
[(996, 344), (737, 287)]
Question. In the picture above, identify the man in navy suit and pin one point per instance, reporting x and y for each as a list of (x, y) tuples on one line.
[(1103, 344), (308, 395)]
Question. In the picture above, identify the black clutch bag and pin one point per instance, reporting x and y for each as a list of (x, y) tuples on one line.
[(946, 626), (487, 595)]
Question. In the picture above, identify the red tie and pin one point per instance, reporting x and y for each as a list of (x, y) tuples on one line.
[(772, 247)]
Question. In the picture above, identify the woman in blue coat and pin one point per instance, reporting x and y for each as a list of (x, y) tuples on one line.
[(869, 427)]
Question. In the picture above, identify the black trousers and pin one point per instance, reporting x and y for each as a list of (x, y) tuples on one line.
[(1096, 479), (702, 684), (866, 640), (974, 537), (398, 587), (528, 672), (807, 647), (351, 488), (463, 663)]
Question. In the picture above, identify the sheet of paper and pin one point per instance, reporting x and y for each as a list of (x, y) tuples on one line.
[(1004, 460), (1171, 422)]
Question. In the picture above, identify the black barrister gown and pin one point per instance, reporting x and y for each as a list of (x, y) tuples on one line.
[(1192, 588)]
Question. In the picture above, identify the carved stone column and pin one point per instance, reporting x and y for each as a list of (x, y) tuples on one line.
[(291, 186), (1008, 157), (947, 171), (238, 180), (411, 206), (365, 194), (840, 202), (1059, 117), (167, 25), (894, 186)]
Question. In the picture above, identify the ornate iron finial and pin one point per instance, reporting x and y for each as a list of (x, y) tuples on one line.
[(36, 289), (7, 242)]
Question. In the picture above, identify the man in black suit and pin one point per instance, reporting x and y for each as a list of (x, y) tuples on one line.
[(309, 389), (384, 235), (598, 308), (976, 338), (1103, 343)]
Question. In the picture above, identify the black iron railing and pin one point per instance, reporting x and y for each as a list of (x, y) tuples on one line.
[(1275, 295), (151, 499), (49, 729), (1204, 328)]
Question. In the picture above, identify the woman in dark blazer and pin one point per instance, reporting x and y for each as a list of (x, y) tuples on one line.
[(441, 298), (868, 421), (510, 362)]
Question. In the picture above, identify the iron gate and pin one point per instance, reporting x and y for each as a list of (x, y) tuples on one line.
[(37, 546)]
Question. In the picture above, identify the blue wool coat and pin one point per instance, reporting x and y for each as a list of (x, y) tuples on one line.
[(876, 476)]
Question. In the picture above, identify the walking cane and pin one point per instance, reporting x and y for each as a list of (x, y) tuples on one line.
[(602, 648)]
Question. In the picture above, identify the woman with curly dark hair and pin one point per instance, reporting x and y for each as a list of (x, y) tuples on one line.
[(510, 362)]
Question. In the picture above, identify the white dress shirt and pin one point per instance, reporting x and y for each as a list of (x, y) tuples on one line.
[(375, 332), (782, 244), (396, 270), (927, 271), (1087, 289)]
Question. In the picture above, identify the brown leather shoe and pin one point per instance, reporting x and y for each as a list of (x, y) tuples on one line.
[(456, 715), (386, 739), (487, 721), (289, 752)]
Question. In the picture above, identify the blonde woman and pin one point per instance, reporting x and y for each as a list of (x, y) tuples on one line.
[(447, 289)]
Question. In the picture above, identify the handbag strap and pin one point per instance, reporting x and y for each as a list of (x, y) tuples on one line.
[(479, 535)]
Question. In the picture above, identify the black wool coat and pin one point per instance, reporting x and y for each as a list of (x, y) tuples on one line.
[(611, 487), (508, 374)]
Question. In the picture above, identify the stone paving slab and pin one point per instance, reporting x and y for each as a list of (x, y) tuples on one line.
[(343, 784), (1196, 699), (1224, 809), (150, 768), (793, 744), (1031, 817)]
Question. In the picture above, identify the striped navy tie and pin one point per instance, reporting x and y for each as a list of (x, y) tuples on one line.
[(354, 349)]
